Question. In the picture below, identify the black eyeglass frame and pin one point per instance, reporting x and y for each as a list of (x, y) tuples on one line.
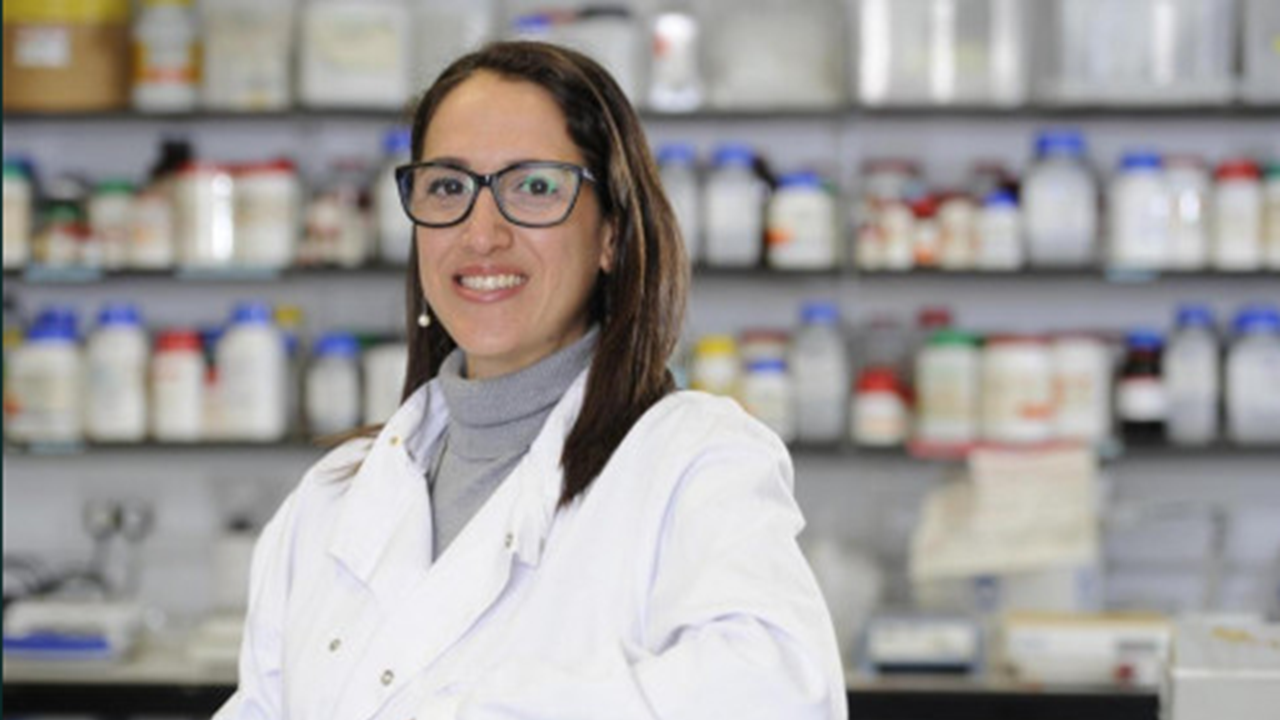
[(404, 172)]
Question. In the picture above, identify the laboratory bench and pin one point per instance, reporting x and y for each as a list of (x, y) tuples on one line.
[(161, 679)]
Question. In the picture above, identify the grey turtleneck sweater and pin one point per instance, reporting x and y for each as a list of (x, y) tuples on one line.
[(492, 423)]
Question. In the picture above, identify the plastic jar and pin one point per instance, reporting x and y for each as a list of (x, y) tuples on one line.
[(801, 227), (248, 54), (675, 77), (111, 221), (204, 215), (44, 385), (266, 211), (1271, 219), (880, 417), (715, 367), (677, 163), (177, 387), (735, 198), (1081, 388), (1191, 372), (1139, 217), (947, 391), (166, 57), (767, 394), (338, 228), (116, 392), (66, 56), (1017, 390), (958, 239), (1188, 183), (1253, 395), (251, 376), (395, 229), (62, 238), (999, 233), (333, 385), (819, 364), (384, 372), (1237, 217), (1060, 203), (1142, 400), (17, 215), (354, 53)]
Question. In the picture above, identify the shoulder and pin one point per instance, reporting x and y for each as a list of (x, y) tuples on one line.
[(694, 421)]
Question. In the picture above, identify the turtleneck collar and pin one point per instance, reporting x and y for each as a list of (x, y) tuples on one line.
[(497, 417)]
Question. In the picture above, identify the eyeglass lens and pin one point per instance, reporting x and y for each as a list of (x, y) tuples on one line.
[(526, 194)]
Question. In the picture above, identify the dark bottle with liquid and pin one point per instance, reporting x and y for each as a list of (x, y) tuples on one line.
[(1142, 400)]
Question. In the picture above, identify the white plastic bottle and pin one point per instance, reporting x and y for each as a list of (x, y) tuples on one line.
[(17, 215), (1189, 212), (678, 165), (1000, 233), (333, 385), (1139, 214), (768, 395), (177, 388), (675, 78), (801, 224), (819, 364), (251, 376), (384, 371), (45, 385), (395, 229), (1253, 393), (1060, 199), (734, 198), (166, 57), (1237, 217), (116, 387), (1191, 375)]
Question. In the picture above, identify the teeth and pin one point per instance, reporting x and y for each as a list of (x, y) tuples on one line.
[(488, 283)]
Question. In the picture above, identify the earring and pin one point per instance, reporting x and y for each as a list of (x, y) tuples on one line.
[(424, 317)]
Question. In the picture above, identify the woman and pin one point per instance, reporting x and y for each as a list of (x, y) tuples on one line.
[(586, 543)]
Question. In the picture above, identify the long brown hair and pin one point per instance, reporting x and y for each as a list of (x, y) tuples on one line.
[(640, 304)]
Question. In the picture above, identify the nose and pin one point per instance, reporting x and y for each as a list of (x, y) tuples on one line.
[(485, 230)]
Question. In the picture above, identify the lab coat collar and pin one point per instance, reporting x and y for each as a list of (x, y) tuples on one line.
[(381, 491)]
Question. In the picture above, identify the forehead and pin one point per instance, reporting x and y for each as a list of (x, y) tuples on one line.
[(489, 121)]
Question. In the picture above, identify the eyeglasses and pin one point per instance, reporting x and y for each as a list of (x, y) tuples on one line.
[(530, 194)]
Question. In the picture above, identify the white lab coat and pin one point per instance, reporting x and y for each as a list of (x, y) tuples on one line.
[(672, 589)]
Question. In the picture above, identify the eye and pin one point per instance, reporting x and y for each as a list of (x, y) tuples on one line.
[(446, 187), (534, 184)]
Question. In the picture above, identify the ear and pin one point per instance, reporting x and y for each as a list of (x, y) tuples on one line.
[(608, 244)]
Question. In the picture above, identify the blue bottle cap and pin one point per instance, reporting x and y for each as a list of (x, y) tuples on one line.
[(819, 312), (1257, 319), (51, 330), (734, 154), (1194, 315), (60, 315), (119, 313), (1144, 339), (1000, 199), (805, 179), (767, 365), (337, 344), (536, 24), (251, 311), (1140, 161), (1060, 142), (397, 141), (677, 154)]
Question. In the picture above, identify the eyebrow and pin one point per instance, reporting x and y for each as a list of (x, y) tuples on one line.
[(459, 162)]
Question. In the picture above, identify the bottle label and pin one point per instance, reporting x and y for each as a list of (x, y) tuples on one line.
[(1142, 399)]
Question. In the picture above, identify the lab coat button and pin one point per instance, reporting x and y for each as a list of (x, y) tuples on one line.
[(395, 440), (510, 540), (334, 644), (388, 677)]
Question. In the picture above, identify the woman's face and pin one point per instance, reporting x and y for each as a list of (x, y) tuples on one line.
[(508, 295)]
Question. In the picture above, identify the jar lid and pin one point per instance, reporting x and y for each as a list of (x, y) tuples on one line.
[(1194, 315), (397, 141), (1273, 170), (1257, 319), (15, 169), (251, 311), (337, 344), (933, 316), (114, 186), (802, 180), (274, 166), (1144, 339), (950, 337), (178, 339), (119, 313), (734, 154), (716, 345), (878, 379), (677, 154), (61, 315), (1067, 142), (764, 335), (767, 365), (1140, 161), (51, 332), (1000, 198), (820, 312), (56, 12), (1238, 169)]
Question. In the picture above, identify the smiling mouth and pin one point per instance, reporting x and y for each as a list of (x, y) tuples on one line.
[(490, 283)]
